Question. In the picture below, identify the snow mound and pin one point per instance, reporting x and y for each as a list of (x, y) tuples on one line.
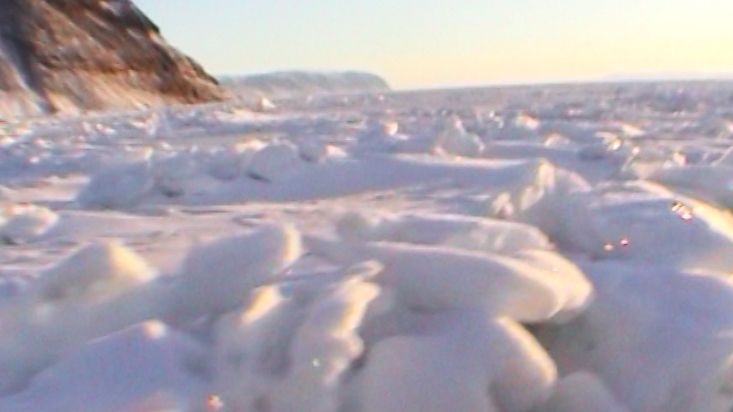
[(605, 146), (98, 271), (147, 364), (26, 223), (686, 363), (454, 140), (535, 197), (461, 232), (118, 187), (294, 352), (647, 223), (305, 351), (227, 164), (454, 369), (382, 136), (438, 278), (216, 278), (717, 188), (276, 162), (94, 292)]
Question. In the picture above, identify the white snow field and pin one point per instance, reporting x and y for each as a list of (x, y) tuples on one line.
[(526, 249)]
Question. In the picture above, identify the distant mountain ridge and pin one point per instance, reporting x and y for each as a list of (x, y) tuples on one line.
[(287, 84), (67, 55), (668, 76)]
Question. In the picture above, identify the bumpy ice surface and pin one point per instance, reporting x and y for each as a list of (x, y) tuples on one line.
[(564, 248)]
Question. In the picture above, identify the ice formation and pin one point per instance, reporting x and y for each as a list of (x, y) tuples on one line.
[(551, 249)]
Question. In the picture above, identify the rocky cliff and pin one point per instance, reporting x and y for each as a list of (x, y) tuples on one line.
[(67, 55)]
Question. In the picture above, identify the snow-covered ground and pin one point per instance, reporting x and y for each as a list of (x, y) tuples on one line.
[(557, 248)]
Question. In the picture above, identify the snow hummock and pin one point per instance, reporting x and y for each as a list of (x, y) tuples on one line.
[(120, 186), (456, 369), (25, 223), (454, 140), (500, 285), (462, 232), (94, 272), (647, 305), (144, 367), (216, 278), (276, 162)]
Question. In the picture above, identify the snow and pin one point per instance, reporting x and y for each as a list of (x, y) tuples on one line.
[(454, 370), (94, 272), (454, 140), (459, 231), (116, 372), (503, 286), (25, 223), (117, 186), (216, 277), (276, 162), (672, 338), (582, 391), (548, 248)]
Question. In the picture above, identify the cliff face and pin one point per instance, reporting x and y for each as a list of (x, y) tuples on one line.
[(90, 54)]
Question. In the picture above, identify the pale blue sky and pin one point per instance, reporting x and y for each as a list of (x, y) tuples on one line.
[(421, 43)]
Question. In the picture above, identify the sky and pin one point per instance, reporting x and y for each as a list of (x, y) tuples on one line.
[(429, 43)]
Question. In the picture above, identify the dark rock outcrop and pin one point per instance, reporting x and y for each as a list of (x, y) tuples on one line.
[(65, 55)]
